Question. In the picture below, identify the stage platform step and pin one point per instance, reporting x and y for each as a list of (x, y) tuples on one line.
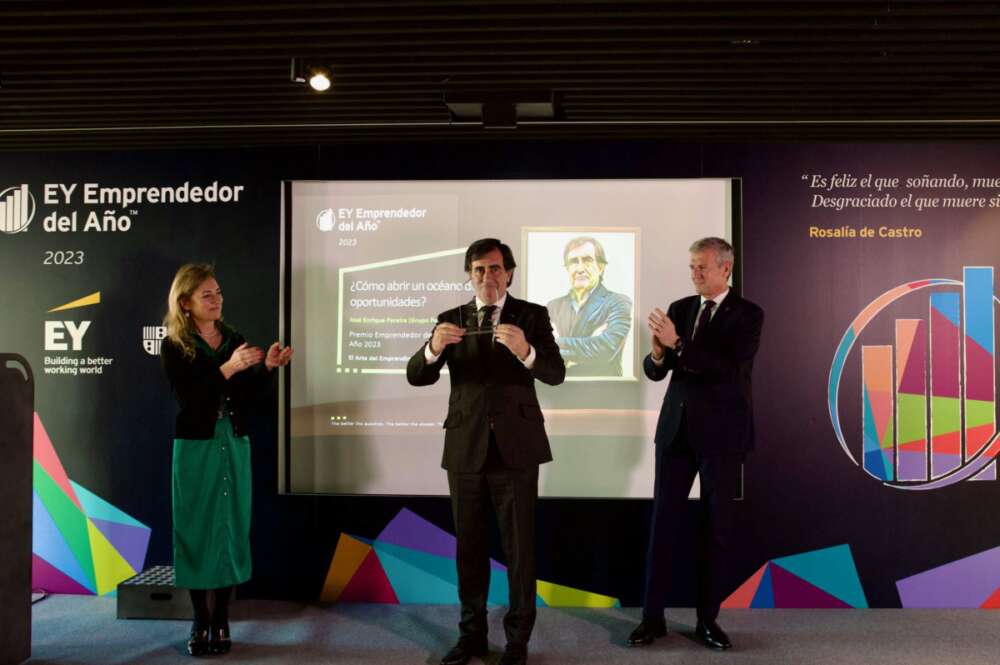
[(152, 595)]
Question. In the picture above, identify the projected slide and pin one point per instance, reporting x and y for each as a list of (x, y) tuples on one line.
[(371, 264)]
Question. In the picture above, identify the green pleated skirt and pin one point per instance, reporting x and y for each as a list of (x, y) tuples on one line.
[(211, 509)]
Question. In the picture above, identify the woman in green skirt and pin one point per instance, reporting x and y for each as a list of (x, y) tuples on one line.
[(216, 376)]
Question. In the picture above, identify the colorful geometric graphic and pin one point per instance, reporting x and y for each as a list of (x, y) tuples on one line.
[(81, 544), (911, 395), (825, 578), (970, 582), (946, 383), (877, 410), (413, 561), (944, 366), (980, 366)]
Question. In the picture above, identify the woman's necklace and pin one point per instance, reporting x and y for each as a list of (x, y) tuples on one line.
[(211, 337)]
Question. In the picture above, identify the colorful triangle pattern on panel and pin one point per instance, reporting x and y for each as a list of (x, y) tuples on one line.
[(793, 591), (369, 584), (81, 544), (972, 581), (413, 561), (993, 602), (744, 595), (347, 559), (555, 595), (825, 578)]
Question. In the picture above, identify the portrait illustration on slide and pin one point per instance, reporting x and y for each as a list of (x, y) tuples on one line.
[(586, 278)]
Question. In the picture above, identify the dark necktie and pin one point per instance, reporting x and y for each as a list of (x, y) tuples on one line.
[(486, 311), (705, 316), (484, 341)]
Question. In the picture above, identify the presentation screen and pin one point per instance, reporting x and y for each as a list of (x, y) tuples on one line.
[(367, 266)]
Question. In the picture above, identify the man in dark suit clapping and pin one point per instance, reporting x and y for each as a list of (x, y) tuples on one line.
[(705, 427), (495, 347)]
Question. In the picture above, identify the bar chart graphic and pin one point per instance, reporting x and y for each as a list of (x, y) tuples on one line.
[(17, 209), (928, 391)]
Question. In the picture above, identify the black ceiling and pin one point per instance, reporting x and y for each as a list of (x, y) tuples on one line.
[(77, 75)]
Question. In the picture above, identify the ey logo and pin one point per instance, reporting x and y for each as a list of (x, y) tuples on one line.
[(325, 221), (17, 209), (926, 386), (68, 335)]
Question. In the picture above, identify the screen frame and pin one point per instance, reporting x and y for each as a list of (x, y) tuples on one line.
[(284, 447)]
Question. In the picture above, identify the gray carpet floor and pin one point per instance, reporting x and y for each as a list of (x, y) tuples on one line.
[(83, 630)]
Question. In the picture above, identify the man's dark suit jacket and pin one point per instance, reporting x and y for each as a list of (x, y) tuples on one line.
[(593, 355), (490, 385), (710, 386)]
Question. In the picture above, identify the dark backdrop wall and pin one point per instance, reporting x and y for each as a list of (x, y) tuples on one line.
[(806, 491)]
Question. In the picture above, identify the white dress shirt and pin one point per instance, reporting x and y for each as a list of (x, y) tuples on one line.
[(717, 300)]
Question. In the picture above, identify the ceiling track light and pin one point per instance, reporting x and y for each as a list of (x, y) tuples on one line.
[(318, 76), (502, 109)]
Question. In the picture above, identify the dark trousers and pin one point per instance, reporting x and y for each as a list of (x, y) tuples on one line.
[(511, 494), (676, 466)]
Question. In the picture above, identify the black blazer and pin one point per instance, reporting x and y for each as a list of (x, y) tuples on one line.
[(711, 381), (201, 389), (489, 385)]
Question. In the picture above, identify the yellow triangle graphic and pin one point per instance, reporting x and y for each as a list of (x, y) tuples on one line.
[(556, 595), (347, 558), (109, 566), (93, 299)]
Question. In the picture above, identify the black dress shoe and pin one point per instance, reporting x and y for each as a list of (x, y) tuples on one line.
[(198, 642), (712, 635), (219, 641), (646, 632), (464, 650), (514, 655)]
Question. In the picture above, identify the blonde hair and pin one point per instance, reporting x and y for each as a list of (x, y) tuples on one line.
[(180, 328)]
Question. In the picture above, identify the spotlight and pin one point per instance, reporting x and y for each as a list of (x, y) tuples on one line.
[(319, 77)]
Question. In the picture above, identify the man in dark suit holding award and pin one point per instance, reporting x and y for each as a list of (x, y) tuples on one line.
[(495, 347), (705, 427)]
